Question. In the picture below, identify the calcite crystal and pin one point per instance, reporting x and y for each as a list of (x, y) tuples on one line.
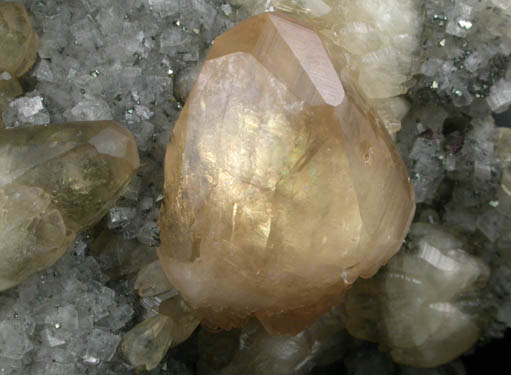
[(147, 343), (55, 181), (375, 45), (279, 190), (423, 307), (18, 42)]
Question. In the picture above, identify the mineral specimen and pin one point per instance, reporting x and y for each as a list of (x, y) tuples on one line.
[(279, 190), (147, 343), (18, 42), (375, 45), (54, 182), (423, 307)]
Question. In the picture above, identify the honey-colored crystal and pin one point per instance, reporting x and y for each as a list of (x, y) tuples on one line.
[(55, 181), (279, 190), (18, 42)]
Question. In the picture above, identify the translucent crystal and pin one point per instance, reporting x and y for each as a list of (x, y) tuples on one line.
[(423, 307), (18, 42), (375, 45), (147, 343), (279, 191), (54, 182)]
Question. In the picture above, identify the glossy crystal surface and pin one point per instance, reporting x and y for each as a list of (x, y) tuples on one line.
[(279, 190)]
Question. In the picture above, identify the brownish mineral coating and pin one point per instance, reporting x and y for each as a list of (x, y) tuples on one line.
[(279, 190)]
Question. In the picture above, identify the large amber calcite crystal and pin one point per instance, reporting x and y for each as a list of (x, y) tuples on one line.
[(279, 190), (55, 181), (18, 42)]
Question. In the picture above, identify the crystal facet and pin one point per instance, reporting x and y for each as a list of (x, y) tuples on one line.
[(374, 44), (55, 181), (279, 190)]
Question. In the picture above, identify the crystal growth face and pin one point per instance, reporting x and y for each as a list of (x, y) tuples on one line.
[(374, 43), (55, 181), (279, 190), (18, 42), (430, 284)]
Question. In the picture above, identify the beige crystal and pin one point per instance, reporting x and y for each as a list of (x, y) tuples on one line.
[(414, 307), (279, 190), (55, 181), (374, 44), (18, 42)]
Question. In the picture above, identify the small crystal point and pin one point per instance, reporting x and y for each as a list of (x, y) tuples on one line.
[(146, 344), (279, 190), (55, 181)]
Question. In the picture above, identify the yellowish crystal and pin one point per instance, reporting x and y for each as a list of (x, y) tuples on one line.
[(148, 342), (279, 190), (414, 308), (55, 181), (18, 42)]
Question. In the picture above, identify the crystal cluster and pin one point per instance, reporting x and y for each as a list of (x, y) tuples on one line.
[(54, 182), (465, 54), (374, 44), (433, 282), (63, 321), (267, 138)]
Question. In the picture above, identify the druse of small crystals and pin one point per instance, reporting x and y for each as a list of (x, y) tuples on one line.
[(374, 43), (415, 307), (54, 182), (279, 190)]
